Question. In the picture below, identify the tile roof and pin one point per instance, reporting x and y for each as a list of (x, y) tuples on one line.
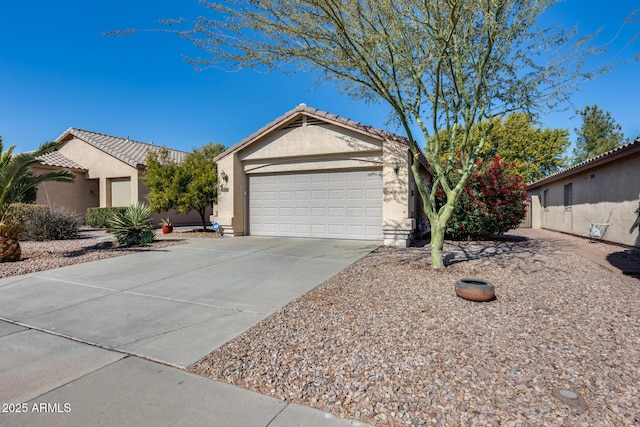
[(303, 109), (54, 158), (610, 155), (134, 153)]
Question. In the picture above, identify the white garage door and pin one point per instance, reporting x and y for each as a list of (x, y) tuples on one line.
[(344, 205)]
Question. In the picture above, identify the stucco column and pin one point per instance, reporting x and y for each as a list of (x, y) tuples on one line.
[(104, 192), (224, 210), (397, 224), (536, 215)]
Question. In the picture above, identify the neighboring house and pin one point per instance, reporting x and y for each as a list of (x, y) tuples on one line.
[(108, 171), (314, 174), (603, 190)]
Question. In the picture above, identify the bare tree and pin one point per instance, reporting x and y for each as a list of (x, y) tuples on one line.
[(438, 64)]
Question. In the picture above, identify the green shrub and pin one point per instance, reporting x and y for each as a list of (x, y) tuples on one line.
[(133, 226), (99, 217), (492, 203), (41, 225)]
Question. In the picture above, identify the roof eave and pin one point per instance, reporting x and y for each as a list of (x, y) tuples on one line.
[(316, 114), (603, 159), (54, 167)]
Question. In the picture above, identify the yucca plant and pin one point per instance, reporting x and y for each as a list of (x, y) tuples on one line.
[(15, 181), (133, 226)]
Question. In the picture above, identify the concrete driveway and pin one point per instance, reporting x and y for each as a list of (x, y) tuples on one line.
[(67, 329)]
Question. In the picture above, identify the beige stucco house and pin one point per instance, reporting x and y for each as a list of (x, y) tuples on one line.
[(604, 190), (108, 171), (314, 174)]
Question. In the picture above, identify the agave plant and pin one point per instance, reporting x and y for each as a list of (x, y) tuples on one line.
[(133, 226), (15, 181)]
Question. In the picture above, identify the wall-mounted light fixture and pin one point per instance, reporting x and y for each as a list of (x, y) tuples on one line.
[(395, 165), (223, 176)]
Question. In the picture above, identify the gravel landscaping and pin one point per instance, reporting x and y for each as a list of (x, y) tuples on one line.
[(387, 341)]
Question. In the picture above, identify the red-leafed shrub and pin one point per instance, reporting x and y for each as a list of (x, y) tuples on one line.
[(493, 202)]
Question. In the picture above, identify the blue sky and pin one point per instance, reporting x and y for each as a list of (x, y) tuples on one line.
[(58, 70)]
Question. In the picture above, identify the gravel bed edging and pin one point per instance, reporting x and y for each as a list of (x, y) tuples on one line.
[(387, 342), (92, 245)]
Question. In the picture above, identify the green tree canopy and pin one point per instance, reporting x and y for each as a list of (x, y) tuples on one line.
[(437, 64), (192, 185), (202, 183), (162, 177), (598, 134), (536, 152)]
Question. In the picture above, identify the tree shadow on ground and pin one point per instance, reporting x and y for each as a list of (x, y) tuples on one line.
[(628, 262), (464, 251), (110, 247)]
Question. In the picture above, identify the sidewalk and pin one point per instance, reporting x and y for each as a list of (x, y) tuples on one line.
[(612, 257)]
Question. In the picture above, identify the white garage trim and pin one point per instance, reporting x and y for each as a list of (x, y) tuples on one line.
[(331, 204)]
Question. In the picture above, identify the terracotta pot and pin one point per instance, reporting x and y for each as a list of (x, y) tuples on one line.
[(475, 290), (166, 229)]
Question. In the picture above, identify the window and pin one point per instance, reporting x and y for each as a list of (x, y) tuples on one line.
[(568, 196), (545, 200)]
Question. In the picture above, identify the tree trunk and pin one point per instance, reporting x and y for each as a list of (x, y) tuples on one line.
[(437, 243), (202, 211), (438, 224), (9, 250)]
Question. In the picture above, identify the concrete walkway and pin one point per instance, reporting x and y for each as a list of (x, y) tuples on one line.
[(606, 255), (105, 342)]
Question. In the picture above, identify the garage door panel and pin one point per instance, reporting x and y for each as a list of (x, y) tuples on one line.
[(286, 195), (336, 212), (301, 212), (341, 204), (319, 178), (319, 229), (285, 211), (354, 212), (356, 194), (270, 195), (373, 193), (373, 213), (319, 211), (284, 229), (335, 194), (335, 230), (301, 195), (269, 227), (335, 177), (355, 229), (270, 212)]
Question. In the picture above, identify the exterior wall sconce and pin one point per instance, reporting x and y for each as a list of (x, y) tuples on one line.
[(223, 176), (395, 166)]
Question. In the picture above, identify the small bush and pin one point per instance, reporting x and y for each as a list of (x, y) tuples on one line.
[(19, 211), (99, 217), (12, 225), (133, 226), (492, 203), (44, 225)]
